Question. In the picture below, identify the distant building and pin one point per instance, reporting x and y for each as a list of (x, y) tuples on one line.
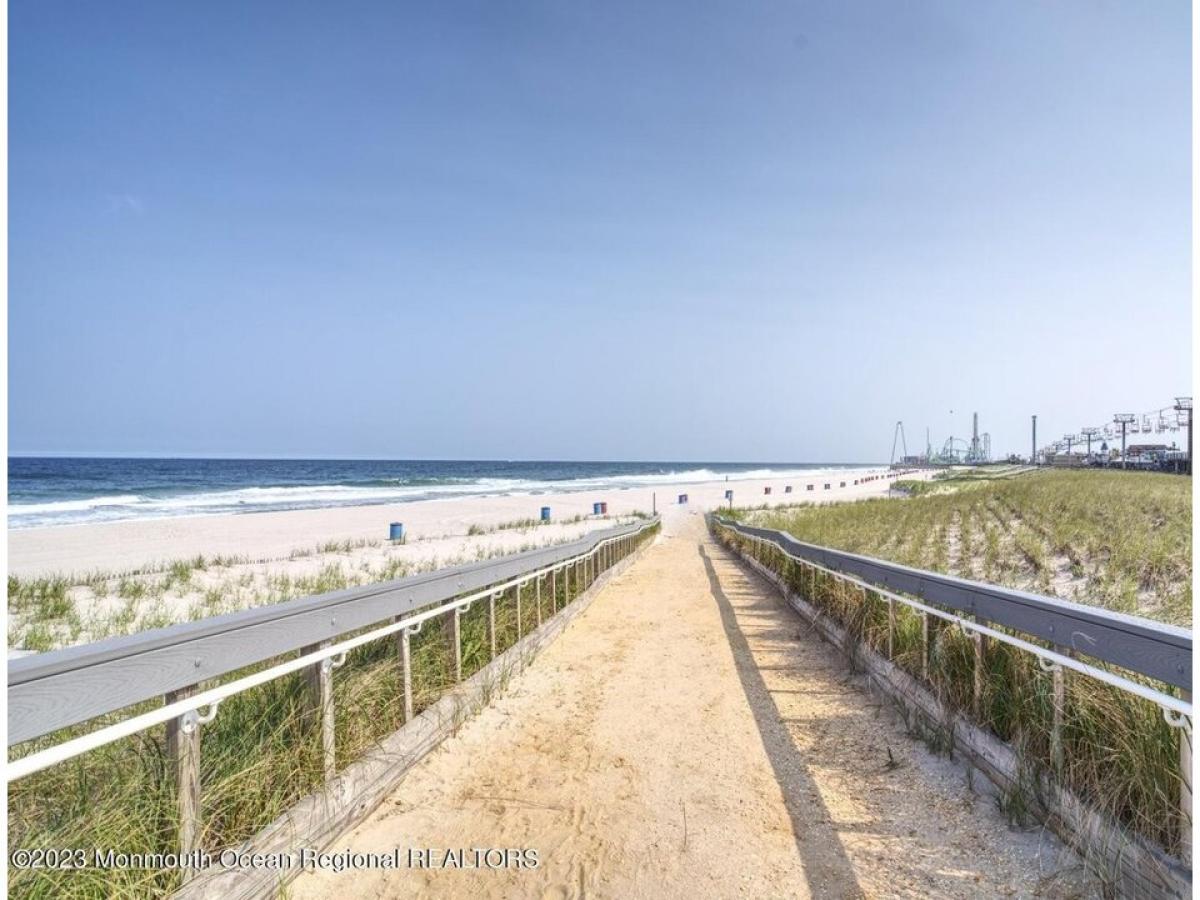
[(1146, 451), (1066, 459)]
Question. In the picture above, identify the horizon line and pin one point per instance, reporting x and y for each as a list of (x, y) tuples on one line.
[(21, 454)]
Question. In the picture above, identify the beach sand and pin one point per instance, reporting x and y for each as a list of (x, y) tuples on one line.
[(705, 744), (147, 543), (126, 577)]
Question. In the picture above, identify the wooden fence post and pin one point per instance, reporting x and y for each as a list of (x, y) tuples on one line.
[(1185, 786), (456, 634), (537, 598), (183, 750), (518, 611), (406, 673), (1056, 725), (492, 622), (980, 675), (926, 646), (319, 677), (891, 643)]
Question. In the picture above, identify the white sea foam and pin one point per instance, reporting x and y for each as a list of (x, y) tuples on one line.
[(106, 508)]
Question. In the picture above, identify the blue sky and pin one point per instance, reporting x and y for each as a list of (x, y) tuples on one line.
[(591, 231)]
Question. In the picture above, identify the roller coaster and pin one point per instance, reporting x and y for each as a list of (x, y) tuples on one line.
[(955, 451)]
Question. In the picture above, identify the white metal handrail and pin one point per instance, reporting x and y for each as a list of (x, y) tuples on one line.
[(1168, 703), (190, 706)]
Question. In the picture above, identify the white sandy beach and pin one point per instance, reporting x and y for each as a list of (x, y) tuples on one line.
[(147, 543), (123, 577)]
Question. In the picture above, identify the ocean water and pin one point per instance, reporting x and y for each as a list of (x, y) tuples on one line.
[(62, 491)]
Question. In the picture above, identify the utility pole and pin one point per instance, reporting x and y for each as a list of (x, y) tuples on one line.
[(1033, 446), (1124, 420), (1070, 439), (1090, 433), (1184, 405)]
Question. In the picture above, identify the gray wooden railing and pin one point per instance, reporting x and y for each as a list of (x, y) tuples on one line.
[(1156, 650), (50, 691), (1060, 633)]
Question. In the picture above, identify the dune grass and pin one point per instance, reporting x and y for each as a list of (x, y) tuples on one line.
[(48, 613), (259, 756), (1118, 540)]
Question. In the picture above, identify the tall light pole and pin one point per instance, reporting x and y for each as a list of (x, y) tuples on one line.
[(1033, 447), (1123, 419), (1183, 405), (1070, 439)]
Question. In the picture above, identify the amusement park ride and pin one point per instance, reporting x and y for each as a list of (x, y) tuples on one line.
[(1115, 439), (1107, 444), (956, 451)]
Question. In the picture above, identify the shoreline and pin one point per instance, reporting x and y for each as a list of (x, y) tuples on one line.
[(140, 544), (120, 501)]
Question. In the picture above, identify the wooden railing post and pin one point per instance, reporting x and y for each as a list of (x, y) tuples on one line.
[(456, 629), (537, 598), (183, 750), (553, 591), (891, 642), (1185, 786), (406, 672), (319, 677), (492, 622), (980, 675), (926, 646), (518, 611), (1059, 702)]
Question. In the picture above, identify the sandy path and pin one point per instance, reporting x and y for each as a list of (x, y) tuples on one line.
[(685, 737)]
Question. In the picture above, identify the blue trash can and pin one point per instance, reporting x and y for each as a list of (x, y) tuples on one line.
[(396, 531), (545, 514), (595, 509), (683, 498)]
